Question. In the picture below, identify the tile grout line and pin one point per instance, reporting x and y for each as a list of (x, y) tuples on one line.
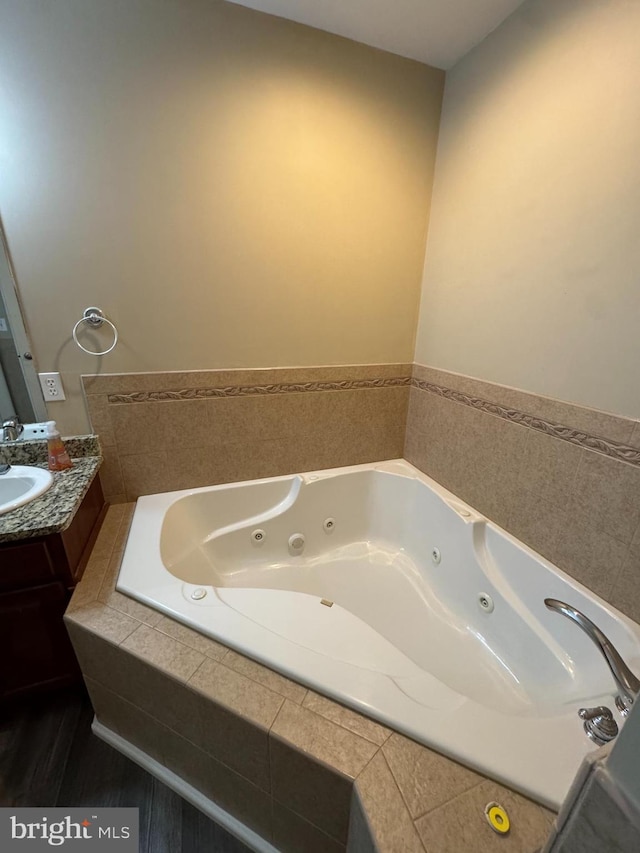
[(402, 798), (435, 809)]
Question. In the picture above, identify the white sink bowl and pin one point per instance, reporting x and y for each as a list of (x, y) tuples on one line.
[(22, 484)]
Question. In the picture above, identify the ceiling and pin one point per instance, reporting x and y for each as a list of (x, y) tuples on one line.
[(438, 32)]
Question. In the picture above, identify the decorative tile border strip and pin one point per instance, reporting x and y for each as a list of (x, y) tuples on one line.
[(257, 390), (614, 449)]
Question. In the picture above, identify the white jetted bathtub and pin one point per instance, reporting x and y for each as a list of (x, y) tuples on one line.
[(376, 586)]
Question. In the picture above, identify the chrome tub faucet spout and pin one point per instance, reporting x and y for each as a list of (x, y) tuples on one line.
[(627, 682)]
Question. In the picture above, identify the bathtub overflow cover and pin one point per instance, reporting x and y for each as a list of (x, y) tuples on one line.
[(486, 602), (436, 556), (199, 593), (329, 524)]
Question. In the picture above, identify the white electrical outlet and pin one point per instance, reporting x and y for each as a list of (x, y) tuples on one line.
[(51, 385)]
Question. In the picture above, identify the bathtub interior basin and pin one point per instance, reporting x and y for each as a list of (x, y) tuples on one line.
[(377, 587), (22, 484)]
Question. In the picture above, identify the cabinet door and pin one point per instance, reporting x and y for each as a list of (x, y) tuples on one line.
[(24, 563), (36, 651)]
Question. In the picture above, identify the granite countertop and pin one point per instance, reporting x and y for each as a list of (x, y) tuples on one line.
[(53, 512)]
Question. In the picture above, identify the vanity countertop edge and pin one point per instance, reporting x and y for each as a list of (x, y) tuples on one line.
[(53, 511)]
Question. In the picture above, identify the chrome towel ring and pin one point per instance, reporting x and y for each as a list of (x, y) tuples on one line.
[(94, 317)]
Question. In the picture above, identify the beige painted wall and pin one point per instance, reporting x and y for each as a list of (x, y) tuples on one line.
[(232, 189), (532, 273)]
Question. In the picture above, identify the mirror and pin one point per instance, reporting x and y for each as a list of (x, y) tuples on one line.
[(20, 393)]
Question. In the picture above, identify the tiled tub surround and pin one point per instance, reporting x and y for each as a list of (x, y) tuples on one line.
[(301, 771), (564, 479), (54, 511), (167, 431)]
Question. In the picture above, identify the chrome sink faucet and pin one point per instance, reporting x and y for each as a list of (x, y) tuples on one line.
[(627, 682), (11, 429)]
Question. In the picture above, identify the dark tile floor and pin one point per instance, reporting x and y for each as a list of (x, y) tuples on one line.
[(49, 757)]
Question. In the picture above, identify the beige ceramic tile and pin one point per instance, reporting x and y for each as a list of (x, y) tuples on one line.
[(270, 458), (231, 738), (145, 474), (425, 778), (111, 472), (99, 413), (144, 685), (120, 541), (116, 513), (138, 426), (110, 577), (206, 646), (319, 737), (104, 544), (386, 812), (607, 494), (536, 522), (461, 825), (267, 677), (625, 594), (435, 440), (236, 419), (348, 719), (235, 794), (196, 466), (588, 554), (548, 466), (168, 654), (473, 454), (293, 834), (116, 500), (419, 411), (416, 450), (489, 450), (127, 720), (131, 607), (88, 589), (102, 620), (310, 788), (238, 693)]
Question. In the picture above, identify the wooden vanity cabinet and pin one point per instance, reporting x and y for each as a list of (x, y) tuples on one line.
[(37, 578)]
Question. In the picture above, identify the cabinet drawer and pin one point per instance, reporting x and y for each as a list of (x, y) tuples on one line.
[(25, 563)]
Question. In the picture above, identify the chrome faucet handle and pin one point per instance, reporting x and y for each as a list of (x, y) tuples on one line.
[(599, 724)]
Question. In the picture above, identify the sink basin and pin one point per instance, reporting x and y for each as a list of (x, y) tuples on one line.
[(22, 484)]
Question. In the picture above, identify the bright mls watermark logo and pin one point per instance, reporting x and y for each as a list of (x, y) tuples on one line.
[(78, 829)]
